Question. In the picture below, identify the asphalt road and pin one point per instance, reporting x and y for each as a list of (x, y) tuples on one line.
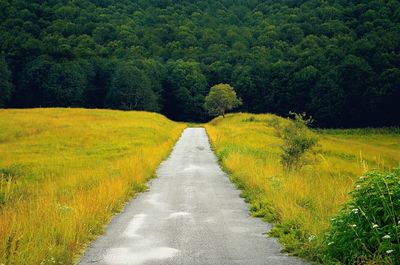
[(192, 214)]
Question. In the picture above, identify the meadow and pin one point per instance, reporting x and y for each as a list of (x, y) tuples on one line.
[(65, 172), (301, 203)]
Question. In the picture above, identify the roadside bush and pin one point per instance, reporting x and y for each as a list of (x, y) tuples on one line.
[(297, 140), (367, 229)]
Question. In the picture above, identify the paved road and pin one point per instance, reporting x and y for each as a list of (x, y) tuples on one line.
[(191, 215)]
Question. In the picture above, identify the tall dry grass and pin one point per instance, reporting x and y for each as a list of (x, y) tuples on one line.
[(65, 172), (301, 202)]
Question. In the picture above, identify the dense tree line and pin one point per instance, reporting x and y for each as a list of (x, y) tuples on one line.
[(334, 59)]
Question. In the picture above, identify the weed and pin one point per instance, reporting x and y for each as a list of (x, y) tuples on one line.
[(250, 119), (369, 224), (12, 173)]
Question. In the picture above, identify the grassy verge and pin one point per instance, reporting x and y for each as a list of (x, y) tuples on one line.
[(65, 172), (300, 203)]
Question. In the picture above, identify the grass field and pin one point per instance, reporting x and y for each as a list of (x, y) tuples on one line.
[(301, 203), (65, 172)]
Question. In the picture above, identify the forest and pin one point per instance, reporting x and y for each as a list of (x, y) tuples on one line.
[(337, 60)]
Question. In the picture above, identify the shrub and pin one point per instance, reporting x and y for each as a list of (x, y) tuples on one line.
[(368, 227), (12, 173), (249, 119), (297, 140)]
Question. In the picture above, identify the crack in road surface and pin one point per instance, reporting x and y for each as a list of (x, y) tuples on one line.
[(192, 215)]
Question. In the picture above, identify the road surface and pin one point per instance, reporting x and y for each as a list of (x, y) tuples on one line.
[(192, 214)]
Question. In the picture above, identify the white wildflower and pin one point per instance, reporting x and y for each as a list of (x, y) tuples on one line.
[(375, 226), (389, 251), (358, 186), (330, 243), (362, 177), (386, 237), (311, 238), (353, 225), (355, 210)]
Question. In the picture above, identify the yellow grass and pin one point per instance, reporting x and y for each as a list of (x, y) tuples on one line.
[(307, 199), (64, 172)]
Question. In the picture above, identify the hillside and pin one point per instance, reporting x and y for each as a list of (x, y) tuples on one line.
[(65, 172), (336, 60)]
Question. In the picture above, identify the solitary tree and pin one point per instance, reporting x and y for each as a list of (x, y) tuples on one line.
[(222, 97)]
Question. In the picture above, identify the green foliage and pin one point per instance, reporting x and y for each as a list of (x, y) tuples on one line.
[(46, 82), (184, 90), (368, 226), (222, 97), (297, 140), (131, 90), (337, 60), (6, 87)]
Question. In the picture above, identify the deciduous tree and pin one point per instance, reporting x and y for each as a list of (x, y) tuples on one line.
[(222, 97), (131, 90)]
